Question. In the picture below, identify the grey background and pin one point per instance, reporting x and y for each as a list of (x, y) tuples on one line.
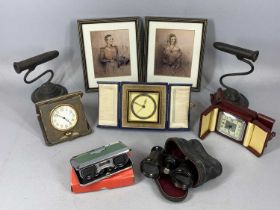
[(34, 176)]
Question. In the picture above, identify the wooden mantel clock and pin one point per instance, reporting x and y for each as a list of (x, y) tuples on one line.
[(240, 124)]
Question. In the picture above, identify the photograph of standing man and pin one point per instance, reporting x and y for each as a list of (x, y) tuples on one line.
[(111, 54)]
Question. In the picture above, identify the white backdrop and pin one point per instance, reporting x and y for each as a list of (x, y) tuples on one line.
[(34, 176)]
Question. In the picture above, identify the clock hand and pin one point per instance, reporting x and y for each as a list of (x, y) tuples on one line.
[(59, 116), (63, 118), (67, 120), (145, 102), (138, 104)]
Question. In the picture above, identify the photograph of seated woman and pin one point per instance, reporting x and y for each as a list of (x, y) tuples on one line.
[(173, 52), (110, 59), (172, 55)]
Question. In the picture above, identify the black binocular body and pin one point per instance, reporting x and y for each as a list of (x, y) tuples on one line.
[(102, 162), (98, 171), (180, 165)]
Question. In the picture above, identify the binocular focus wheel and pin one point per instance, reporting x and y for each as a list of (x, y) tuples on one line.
[(120, 160), (169, 163), (157, 148)]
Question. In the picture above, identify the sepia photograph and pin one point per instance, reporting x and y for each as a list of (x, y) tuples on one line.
[(174, 50), (110, 50)]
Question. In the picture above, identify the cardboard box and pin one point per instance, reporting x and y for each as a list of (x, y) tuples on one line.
[(121, 179)]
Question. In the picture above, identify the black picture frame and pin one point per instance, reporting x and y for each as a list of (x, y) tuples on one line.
[(184, 63), (102, 62)]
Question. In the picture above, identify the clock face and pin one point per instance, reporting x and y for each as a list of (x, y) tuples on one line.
[(143, 106), (231, 126), (64, 117)]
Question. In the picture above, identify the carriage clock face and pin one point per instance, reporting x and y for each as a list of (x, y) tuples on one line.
[(231, 126), (64, 117), (143, 106)]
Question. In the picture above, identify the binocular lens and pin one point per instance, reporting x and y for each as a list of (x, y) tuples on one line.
[(149, 169), (120, 160), (182, 181), (182, 177), (150, 166), (89, 172)]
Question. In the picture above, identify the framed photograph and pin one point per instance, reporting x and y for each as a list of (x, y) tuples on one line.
[(110, 50), (174, 50)]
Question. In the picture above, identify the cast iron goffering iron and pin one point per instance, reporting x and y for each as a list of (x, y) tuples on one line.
[(244, 55), (48, 89)]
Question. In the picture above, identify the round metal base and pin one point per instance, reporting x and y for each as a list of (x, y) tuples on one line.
[(47, 91), (235, 97)]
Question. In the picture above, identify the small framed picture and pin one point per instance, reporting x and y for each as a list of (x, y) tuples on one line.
[(174, 50), (110, 50)]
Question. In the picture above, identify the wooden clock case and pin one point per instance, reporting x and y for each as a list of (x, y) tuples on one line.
[(258, 129)]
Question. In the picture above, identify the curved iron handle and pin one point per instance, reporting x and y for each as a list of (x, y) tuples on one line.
[(242, 54), (31, 64)]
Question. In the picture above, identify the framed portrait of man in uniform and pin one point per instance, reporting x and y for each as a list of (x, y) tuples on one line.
[(110, 50), (174, 50)]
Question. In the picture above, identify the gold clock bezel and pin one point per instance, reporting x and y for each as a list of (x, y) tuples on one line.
[(58, 106), (130, 88)]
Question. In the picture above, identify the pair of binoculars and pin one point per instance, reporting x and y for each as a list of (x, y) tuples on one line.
[(160, 163), (94, 171), (102, 162)]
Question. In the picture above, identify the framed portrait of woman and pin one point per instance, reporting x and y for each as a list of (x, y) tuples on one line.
[(174, 50), (110, 50)]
